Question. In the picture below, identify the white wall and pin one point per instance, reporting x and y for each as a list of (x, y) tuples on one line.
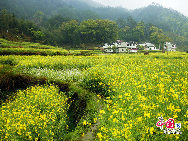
[(133, 51), (108, 50), (122, 49)]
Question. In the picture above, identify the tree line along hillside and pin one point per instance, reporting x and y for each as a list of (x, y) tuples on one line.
[(46, 22), (66, 31)]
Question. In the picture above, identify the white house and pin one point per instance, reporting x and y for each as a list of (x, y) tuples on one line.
[(148, 46), (120, 47), (169, 47), (110, 48), (130, 46)]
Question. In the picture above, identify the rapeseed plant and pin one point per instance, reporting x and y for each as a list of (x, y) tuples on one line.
[(36, 113)]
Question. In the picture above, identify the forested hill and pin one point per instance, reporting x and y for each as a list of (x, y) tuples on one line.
[(84, 4), (173, 23), (167, 19), (51, 13), (28, 8)]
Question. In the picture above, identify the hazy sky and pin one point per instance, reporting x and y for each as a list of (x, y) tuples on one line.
[(179, 5)]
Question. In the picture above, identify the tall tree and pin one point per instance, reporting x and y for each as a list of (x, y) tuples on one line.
[(98, 31), (55, 21), (70, 32), (138, 32), (157, 36), (38, 17)]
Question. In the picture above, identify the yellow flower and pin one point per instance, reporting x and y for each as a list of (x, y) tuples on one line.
[(120, 96), (177, 136), (175, 116), (139, 119), (85, 122), (152, 130), (115, 120), (186, 115), (177, 110), (147, 114), (99, 135), (95, 120), (102, 112), (123, 118)]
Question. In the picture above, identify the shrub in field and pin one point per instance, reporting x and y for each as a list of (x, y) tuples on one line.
[(9, 61), (86, 53), (98, 86), (37, 113)]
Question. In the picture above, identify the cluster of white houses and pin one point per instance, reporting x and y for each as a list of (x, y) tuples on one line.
[(132, 47), (169, 47)]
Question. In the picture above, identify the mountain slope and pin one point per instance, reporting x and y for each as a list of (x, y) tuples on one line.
[(167, 19), (85, 4), (172, 22), (27, 8)]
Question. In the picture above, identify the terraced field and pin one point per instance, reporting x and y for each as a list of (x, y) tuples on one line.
[(97, 97)]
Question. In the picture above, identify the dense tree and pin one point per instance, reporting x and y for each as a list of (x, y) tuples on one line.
[(7, 21), (138, 32), (131, 22), (69, 32), (38, 36), (38, 17), (55, 21), (157, 36), (131, 31), (98, 31), (14, 29)]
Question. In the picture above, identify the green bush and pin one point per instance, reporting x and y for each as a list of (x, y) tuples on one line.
[(97, 86), (9, 61)]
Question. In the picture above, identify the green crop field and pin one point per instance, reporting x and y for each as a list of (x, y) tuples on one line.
[(93, 97)]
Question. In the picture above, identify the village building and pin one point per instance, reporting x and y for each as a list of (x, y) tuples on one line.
[(131, 47), (169, 46), (148, 46), (108, 48), (120, 47)]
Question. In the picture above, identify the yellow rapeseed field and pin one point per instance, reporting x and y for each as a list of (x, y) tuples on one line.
[(140, 89), (135, 89), (37, 113)]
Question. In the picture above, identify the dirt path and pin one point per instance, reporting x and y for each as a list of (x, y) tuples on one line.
[(90, 135)]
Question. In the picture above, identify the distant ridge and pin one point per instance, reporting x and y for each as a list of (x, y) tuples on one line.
[(171, 21)]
